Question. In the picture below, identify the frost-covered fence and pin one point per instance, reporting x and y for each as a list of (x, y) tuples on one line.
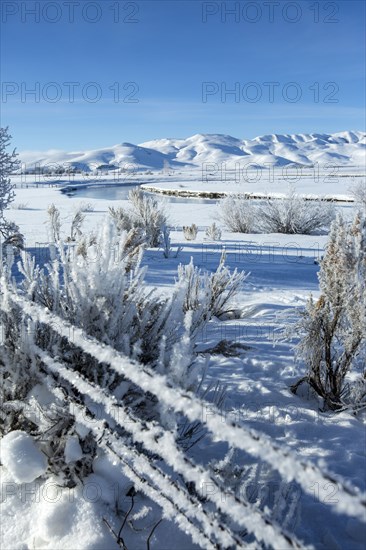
[(193, 514)]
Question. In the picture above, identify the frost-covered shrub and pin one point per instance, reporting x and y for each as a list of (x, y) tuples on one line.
[(333, 328), (149, 214), (9, 231), (294, 214), (123, 218), (76, 223), (145, 213), (8, 163), (213, 232), (103, 293), (19, 206), (86, 207), (98, 286), (208, 295), (166, 244), (190, 232), (354, 394), (15, 240), (237, 213), (54, 223), (18, 372), (359, 193)]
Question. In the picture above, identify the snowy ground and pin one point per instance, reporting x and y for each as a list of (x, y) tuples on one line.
[(282, 274)]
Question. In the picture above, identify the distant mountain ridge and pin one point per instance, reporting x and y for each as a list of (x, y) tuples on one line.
[(346, 148)]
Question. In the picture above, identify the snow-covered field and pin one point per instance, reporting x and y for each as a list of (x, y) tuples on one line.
[(37, 513)]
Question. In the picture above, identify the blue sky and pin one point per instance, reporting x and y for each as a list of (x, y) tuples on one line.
[(161, 53)]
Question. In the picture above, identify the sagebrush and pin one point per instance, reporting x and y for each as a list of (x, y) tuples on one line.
[(333, 327), (97, 284), (291, 214), (145, 213)]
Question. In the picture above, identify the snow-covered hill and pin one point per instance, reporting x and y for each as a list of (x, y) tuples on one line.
[(342, 148)]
